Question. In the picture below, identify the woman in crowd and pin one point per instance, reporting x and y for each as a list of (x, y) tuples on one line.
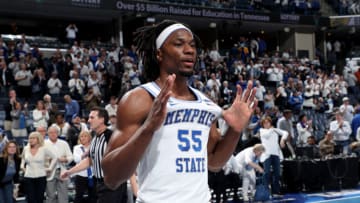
[(83, 179), (18, 128), (270, 140), (35, 158), (9, 171), (40, 115)]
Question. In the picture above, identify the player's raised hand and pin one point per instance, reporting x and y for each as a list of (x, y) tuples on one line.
[(244, 104), (158, 111)]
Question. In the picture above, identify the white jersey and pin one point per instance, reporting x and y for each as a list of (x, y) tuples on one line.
[(174, 166)]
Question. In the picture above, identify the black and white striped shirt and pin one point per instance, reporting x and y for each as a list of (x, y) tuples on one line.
[(97, 151)]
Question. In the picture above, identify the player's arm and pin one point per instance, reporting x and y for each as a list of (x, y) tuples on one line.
[(138, 117), (221, 148)]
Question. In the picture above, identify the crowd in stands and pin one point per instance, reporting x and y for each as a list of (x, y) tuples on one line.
[(305, 7), (345, 7), (59, 92)]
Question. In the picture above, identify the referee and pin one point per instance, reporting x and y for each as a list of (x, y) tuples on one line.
[(98, 118)]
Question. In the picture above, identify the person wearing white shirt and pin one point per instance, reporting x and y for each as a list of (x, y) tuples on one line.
[(71, 31), (56, 188), (111, 108), (54, 84), (304, 129), (347, 110), (40, 115), (83, 179), (62, 126), (76, 85), (248, 160), (84, 70), (285, 123), (213, 81), (34, 163), (259, 95), (341, 131), (270, 140)]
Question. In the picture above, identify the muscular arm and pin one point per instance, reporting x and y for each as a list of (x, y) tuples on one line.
[(221, 148), (138, 118)]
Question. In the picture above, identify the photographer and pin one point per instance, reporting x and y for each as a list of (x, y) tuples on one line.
[(71, 31)]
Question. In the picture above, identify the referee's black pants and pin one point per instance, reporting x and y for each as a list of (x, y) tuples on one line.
[(106, 195)]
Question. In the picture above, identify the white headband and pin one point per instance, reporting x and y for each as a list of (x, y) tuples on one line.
[(167, 31)]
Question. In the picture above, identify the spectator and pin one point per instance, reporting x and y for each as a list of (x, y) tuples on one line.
[(76, 126), (23, 78), (111, 108), (62, 126), (93, 82), (341, 131), (304, 129), (76, 86), (83, 179), (54, 84), (40, 115), (34, 160), (134, 75), (112, 122), (7, 79), (57, 189), (260, 91), (270, 140), (91, 99), (9, 106), (295, 102), (285, 123), (51, 107), (84, 71), (9, 171), (347, 110), (248, 159), (269, 99), (327, 145), (71, 31), (71, 108), (18, 129), (39, 84)]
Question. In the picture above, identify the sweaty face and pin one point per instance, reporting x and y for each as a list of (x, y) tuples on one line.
[(178, 53)]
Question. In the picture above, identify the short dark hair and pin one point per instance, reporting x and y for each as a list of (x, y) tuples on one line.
[(102, 113)]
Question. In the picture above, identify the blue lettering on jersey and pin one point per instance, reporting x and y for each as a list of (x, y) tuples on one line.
[(190, 165), (189, 116)]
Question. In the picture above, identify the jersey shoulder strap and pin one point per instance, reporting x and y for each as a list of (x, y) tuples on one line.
[(152, 88)]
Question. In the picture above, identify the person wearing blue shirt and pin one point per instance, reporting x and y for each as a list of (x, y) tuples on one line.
[(355, 123), (71, 108)]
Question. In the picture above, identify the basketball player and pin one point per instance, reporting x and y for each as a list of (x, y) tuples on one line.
[(166, 129)]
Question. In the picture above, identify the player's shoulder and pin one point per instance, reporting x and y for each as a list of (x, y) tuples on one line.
[(137, 100), (138, 93)]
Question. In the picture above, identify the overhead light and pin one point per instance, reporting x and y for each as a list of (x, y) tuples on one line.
[(286, 29), (212, 25), (262, 31)]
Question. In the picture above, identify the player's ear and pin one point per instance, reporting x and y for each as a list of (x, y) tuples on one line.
[(159, 55)]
